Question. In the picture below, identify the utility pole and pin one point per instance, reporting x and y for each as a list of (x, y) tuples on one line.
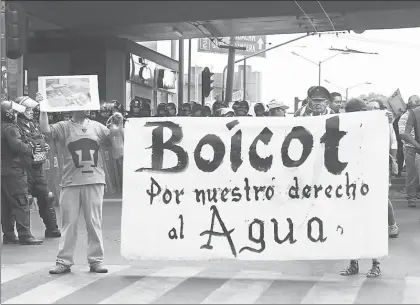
[(231, 68), (244, 93)]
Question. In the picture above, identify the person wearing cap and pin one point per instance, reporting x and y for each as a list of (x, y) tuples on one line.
[(259, 109), (318, 100), (37, 184), (357, 105), (277, 108), (408, 137), (16, 155), (225, 112)]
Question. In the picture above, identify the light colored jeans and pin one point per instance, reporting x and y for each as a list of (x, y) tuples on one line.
[(73, 200)]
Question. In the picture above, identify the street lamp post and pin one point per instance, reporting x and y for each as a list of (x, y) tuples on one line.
[(348, 88), (319, 64)]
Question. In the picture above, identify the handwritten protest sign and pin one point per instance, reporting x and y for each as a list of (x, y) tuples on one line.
[(396, 103), (256, 189), (69, 93)]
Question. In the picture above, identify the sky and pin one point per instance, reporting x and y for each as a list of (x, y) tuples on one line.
[(286, 76)]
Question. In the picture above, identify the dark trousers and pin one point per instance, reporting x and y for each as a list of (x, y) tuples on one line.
[(38, 188), (400, 157), (15, 204)]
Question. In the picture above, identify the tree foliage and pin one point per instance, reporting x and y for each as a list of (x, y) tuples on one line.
[(374, 96)]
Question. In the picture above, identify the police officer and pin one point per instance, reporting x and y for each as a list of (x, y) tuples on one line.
[(318, 101), (37, 184), (15, 156)]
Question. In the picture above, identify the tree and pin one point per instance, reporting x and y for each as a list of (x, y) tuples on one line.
[(374, 96)]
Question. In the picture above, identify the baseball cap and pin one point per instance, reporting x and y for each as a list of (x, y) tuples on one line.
[(319, 93), (277, 104)]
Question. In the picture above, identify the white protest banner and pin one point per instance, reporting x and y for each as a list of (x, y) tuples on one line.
[(396, 103), (69, 93), (265, 188)]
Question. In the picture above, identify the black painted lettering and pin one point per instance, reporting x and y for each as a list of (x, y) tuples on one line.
[(226, 233), (258, 163), (236, 151), (172, 234), (236, 196), (212, 197), (317, 189), (269, 193), (328, 190), (198, 194), (181, 235), (307, 141), (320, 230), (247, 188), (258, 240), (364, 190), (178, 194), (257, 190), (158, 147), (219, 153), (225, 191), (289, 235), (294, 189), (152, 192), (306, 192), (350, 186), (337, 194), (167, 196), (331, 138)]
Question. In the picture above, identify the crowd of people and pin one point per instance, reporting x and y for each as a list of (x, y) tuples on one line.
[(24, 146)]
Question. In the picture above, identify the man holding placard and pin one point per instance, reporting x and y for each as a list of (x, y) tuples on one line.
[(83, 183)]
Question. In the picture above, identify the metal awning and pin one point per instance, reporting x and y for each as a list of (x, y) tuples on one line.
[(169, 20)]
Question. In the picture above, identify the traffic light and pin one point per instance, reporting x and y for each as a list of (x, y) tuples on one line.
[(16, 30), (206, 82)]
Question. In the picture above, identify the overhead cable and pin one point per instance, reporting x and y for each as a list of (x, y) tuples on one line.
[(307, 17), (332, 24)]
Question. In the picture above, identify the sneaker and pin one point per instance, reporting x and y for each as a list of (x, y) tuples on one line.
[(60, 269), (393, 231), (30, 241), (98, 269)]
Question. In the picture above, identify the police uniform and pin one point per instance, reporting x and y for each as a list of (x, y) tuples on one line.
[(316, 93), (37, 184), (15, 156)]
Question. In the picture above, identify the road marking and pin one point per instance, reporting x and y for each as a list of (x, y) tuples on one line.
[(61, 287), (11, 272), (333, 288), (152, 287), (411, 294), (245, 287)]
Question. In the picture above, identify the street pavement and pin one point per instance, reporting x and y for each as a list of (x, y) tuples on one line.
[(25, 278)]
